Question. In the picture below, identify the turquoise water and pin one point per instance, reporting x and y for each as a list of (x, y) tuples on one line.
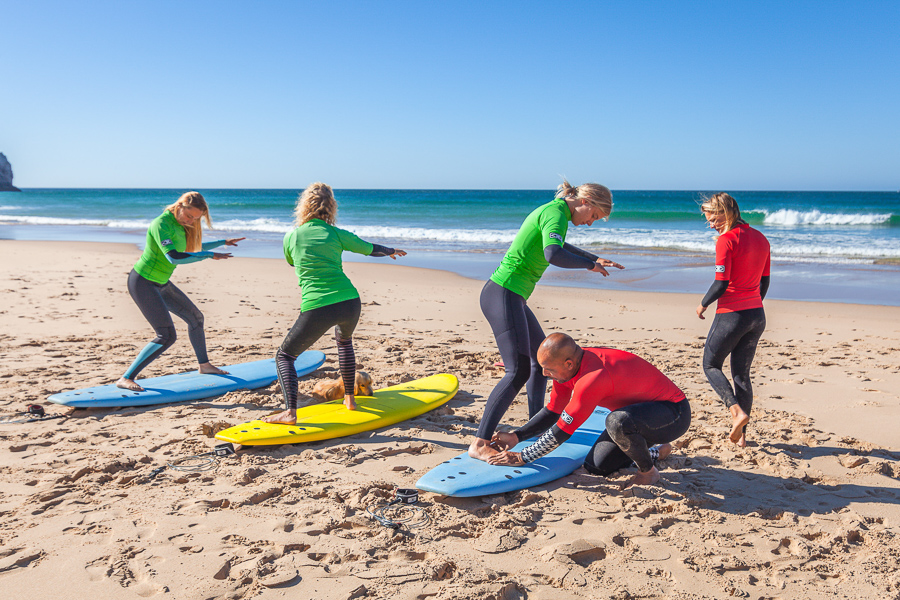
[(828, 246)]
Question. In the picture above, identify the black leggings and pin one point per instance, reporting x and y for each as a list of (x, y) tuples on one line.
[(518, 336), (737, 334), (630, 431), (155, 302), (309, 327)]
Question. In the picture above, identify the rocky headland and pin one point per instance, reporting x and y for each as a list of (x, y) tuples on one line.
[(6, 176)]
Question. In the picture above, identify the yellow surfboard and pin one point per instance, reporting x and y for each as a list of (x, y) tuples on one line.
[(332, 419)]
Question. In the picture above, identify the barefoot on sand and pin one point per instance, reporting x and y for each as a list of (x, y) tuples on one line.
[(209, 369), (285, 417), (739, 421), (129, 384), (648, 478)]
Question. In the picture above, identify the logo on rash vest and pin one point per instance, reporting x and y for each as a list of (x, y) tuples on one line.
[(556, 236), (166, 242), (566, 417), (720, 268)]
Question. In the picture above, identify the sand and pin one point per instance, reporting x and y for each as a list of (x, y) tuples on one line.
[(810, 510)]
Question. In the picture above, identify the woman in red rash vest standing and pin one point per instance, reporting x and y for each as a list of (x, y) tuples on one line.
[(740, 285)]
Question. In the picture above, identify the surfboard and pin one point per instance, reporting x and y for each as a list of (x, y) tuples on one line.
[(332, 419), (464, 476), (183, 387)]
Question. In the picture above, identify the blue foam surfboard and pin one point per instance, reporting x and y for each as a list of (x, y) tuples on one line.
[(464, 476), (183, 387)]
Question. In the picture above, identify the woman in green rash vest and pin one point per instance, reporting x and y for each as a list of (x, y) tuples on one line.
[(541, 242), (328, 299), (174, 238)]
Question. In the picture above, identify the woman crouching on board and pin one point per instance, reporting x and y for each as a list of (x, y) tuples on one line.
[(328, 299), (540, 242), (174, 238), (741, 283)]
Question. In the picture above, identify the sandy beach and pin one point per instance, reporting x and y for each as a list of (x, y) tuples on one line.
[(811, 509)]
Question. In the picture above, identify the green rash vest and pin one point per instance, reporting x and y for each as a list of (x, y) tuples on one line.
[(524, 263), (165, 233), (314, 250)]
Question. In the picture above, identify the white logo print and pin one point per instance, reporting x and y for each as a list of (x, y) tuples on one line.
[(566, 417), (720, 268), (166, 242), (556, 236)]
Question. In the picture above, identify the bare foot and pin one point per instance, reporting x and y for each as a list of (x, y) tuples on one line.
[(648, 478), (129, 384), (481, 449), (664, 450), (739, 421), (285, 417), (208, 369), (350, 402)]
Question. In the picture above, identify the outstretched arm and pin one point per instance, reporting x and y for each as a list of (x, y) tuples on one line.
[(378, 251), (183, 258)]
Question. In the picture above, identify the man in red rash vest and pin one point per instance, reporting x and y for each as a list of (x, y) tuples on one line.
[(646, 409)]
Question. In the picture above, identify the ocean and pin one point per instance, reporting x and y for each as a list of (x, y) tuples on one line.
[(826, 246)]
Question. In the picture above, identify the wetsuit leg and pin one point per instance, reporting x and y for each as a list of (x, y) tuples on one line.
[(181, 306), (506, 314), (536, 387), (343, 335), (149, 300), (737, 334), (630, 431), (307, 329)]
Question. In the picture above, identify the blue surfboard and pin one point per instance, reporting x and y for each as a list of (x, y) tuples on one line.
[(464, 476), (183, 387)]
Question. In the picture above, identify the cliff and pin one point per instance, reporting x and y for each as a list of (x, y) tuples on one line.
[(6, 176)]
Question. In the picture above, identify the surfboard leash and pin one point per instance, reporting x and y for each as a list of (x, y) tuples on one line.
[(34, 412), (412, 517), (205, 461)]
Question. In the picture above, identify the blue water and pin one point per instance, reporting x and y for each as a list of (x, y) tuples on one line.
[(826, 246)]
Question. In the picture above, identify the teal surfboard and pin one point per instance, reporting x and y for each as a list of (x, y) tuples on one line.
[(184, 387), (464, 476)]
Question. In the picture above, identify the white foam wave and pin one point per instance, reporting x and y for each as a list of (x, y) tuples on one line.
[(793, 218), (261, 225), (11, 207), (118, 224)]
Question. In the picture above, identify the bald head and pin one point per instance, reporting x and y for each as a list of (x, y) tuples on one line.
[(560, 356)]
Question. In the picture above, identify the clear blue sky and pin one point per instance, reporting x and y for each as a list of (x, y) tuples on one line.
[(428, 94)]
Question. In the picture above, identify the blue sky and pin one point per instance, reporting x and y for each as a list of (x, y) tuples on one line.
[(636, 95)]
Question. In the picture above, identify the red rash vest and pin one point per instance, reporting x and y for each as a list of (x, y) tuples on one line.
[(612, 379), (742, 257)]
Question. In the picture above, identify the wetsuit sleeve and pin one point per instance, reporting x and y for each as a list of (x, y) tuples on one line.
[(378, 251), (579, 252), (546, 444), (353, 243), (539, 423), (559, 256), (183, 258), (288, 243), (211, 245), (763, 286), (715, 292)]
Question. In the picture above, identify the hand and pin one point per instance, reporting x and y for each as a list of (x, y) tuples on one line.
[(398, 253), (504, 440), (700, 310), (507, 459), (233, 241), (221, 255), (608, 263)]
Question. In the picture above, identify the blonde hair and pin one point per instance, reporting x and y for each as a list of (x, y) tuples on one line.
[(193, 233), (723, 204), (594, 194), (316, 202)]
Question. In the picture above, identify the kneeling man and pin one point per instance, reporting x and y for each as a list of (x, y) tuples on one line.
[(646, 409)]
